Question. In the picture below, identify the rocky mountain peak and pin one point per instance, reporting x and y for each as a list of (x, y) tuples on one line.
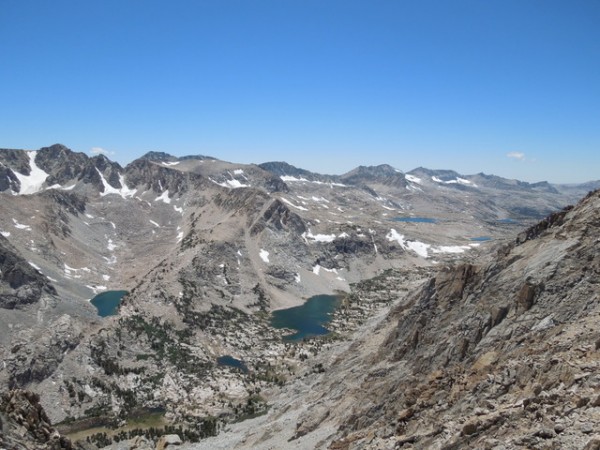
[(381, 174), (158, 156)]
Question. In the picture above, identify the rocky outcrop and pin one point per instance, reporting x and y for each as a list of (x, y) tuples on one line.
[(33, 357), (8, 180), (65, 166), (25, 426), (382, 174), (20, 283), (280, 169), (278, 216), (145, 174)]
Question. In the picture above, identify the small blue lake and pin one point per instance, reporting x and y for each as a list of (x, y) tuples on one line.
[(309, 319), (415, 219), (481, 239), (230, 361), (107, 303)]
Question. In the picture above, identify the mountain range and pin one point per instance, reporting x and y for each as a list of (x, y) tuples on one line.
[(207, 249)]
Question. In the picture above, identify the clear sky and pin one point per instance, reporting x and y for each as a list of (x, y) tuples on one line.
[(509, 87)]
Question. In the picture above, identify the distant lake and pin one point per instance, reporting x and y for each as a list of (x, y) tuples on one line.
[(415, 219), (308, 319), (108, 302), (481, 238), (230, 361)]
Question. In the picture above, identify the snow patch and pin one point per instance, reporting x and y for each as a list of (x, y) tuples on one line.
[(21, 226), (318, 237), (34, 266), (412, 178), (297, 278), (32, 183), (178, 209), (96, 289), (316, 269), (422, 249), (451, 249), (288, 178), (264, 255), (154, 223), (231, 184), (457, 180), (164, 197), (5, 233), (111, 260), (124, 192), (69, 270), (238, 171), (301, 208), (419, 248), (170, 163), (111, 246)]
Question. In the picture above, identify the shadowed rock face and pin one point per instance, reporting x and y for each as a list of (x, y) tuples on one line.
[(279, 217), (8, 180), (20, 283), (24, 424), (144, 173), (62, 165)]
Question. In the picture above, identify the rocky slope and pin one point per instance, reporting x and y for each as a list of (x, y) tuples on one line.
[(496, 355), (502, 353)]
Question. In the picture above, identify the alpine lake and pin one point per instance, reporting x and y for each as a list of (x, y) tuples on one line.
[(107, 303), (309, 319)]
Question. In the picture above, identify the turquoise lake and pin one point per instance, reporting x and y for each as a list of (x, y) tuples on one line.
[(107, 303), (230, 361), (309, 319)]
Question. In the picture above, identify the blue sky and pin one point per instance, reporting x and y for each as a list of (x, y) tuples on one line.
[(504, 87)]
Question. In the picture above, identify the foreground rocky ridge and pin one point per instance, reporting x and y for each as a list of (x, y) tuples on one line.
[(502, 355), (25, 426)]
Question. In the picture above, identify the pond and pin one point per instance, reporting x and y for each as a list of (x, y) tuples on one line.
[(309, 319), (415, 219), (107, 303), (230, 361), (481, 239)]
